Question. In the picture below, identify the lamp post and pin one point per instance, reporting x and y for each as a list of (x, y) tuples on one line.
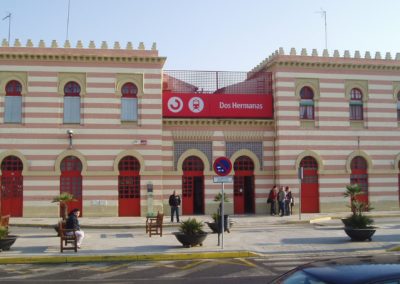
[(70, 134)]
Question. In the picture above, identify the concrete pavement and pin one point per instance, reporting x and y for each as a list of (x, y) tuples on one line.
[(124, 238)]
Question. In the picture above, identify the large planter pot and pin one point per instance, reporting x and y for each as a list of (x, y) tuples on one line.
[(346, 222), (360, 234), (217, 228), (190, 240), (7, 242)]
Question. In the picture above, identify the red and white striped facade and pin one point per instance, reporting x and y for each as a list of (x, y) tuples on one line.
[(100, 141)]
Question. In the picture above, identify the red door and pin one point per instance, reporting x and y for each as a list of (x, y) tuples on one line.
[(243, 187), (71, 181), (309, 186), (11, 187), (238, 195), (359, 176), (129, 187), (187, 194), (192, 186)]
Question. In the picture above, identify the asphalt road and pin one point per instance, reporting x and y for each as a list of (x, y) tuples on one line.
[(250, 270)]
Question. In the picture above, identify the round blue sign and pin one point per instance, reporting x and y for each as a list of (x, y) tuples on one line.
[(222, 166)]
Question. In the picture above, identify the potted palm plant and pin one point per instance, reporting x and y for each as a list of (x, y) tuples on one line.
[(6, 240), (63, 200), (191, 233), (358, 225)]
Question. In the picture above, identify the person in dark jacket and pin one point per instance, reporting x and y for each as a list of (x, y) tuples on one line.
[(174, 202), (73, 224), (272, 199)]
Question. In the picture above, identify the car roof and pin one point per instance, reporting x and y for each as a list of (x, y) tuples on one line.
[(362, 269)]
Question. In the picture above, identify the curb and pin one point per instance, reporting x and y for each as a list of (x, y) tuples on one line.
[(116, 258), (315, 220)]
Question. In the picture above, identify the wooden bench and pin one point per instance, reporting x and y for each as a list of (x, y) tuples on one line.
[(4, 221), (154, 225), (67, 238)]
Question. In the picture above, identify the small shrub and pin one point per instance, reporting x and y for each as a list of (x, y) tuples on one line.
[(191, 227), (359, 221), (3, 232)]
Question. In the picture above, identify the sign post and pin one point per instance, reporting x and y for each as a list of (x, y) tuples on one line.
[(300, 175), (222, 167)]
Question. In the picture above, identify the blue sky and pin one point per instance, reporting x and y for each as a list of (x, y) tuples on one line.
[(211, 34)]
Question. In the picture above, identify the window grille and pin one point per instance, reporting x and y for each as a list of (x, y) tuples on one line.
[(11, 163), (72, 103), (13, 102), (181, 147), (217, 82), (255, 147), (356, 104), (306, 103)]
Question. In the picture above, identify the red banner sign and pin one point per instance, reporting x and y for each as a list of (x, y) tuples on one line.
[(217, 105)]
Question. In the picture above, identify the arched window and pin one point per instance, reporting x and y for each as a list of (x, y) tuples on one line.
[(129, 102), (72, 103), (398, 106), (13, 102), (356, 104), (192, 164), (306, 103)]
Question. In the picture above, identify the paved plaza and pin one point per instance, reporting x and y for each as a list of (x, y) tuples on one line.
[(269, 236)]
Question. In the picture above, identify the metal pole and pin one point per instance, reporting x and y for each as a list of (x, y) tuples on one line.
[(69, 4), (326, 32), (300, 179), (222, 217), (9, 28)]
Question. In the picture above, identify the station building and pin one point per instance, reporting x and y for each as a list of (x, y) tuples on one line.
[(119, 132)]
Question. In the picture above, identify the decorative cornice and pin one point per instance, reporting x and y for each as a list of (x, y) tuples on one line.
[(80, 54), (192, 135), (336, 61), (217, 122), (244, 135)]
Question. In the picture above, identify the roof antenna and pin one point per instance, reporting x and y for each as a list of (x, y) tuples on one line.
[(323, 14), (69, 5), (9, 25)]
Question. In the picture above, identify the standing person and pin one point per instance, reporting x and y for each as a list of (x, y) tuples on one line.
[(73, 224), (288, 201), (174, 202), (272, 198), (281, 201)]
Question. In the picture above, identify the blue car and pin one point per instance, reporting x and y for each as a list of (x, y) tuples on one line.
[(382, 269)]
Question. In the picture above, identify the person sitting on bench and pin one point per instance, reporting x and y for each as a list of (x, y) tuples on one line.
[(73, 224)]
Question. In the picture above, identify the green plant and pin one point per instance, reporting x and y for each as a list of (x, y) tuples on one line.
[(3, 232), (191, 227), (357, 219), (63, 198), (218, 197)]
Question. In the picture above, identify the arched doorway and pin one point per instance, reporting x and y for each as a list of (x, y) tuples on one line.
[(129, 187), (309, 186), (11, 186), (193, 186), (243, 188), (359, 175), (71, 181)]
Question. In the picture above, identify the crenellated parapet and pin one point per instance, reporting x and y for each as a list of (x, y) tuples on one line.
[(68, 51), (331, 59), (67, 44)]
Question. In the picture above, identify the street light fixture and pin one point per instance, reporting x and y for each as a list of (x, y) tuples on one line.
[(70, 133)]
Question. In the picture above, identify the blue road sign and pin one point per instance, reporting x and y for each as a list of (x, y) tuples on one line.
[(222, 166)]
